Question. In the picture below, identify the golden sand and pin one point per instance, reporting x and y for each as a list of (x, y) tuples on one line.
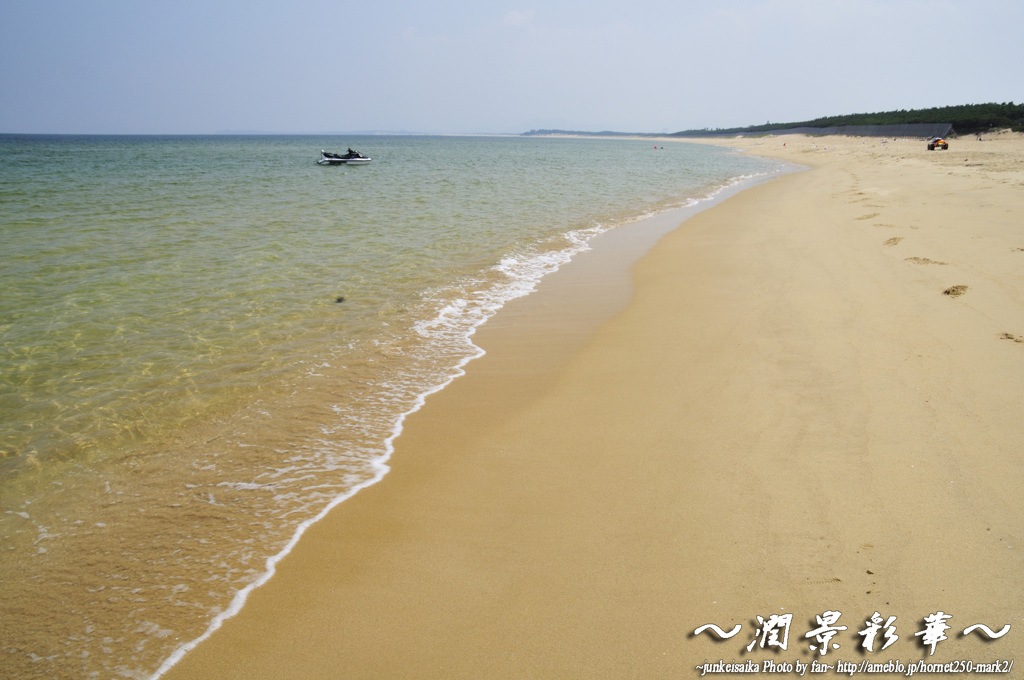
[(813, 402)]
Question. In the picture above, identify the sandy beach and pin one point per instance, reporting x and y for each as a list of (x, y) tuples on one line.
[(806, 399)]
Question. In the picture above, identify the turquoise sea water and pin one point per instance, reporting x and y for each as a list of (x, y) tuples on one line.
[(206, 341)]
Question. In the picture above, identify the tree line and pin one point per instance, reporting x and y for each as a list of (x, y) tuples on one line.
[(966, 119)]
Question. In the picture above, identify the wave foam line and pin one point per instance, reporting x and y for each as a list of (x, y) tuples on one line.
[(528, 279), (532, 277), (380, 467)]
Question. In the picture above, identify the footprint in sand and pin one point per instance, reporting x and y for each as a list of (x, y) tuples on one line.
[(893, 241), (922, 260), (869, 216), (955, 291), (1011, 336)]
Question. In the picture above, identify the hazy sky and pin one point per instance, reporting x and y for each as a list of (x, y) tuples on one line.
[(205, 66)]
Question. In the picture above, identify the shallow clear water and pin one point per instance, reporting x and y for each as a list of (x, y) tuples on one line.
[(181, 387)]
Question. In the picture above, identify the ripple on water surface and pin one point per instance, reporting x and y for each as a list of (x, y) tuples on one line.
[(181, 388)]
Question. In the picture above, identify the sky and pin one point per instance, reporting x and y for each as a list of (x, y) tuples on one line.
[(481, 66)]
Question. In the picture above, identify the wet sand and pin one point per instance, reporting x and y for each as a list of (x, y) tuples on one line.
[(810, 402)]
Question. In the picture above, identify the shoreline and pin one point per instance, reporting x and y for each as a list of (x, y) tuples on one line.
[(602, 266), (248, 398), (638, 433)]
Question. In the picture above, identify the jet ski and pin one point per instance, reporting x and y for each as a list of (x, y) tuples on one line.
[(350, 158)]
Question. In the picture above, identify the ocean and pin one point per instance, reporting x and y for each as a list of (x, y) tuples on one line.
[(207, 342)]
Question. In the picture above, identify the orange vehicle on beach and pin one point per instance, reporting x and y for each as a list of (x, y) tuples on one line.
[(937, 143)]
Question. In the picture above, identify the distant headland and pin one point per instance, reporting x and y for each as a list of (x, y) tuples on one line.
[(966, 119)]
